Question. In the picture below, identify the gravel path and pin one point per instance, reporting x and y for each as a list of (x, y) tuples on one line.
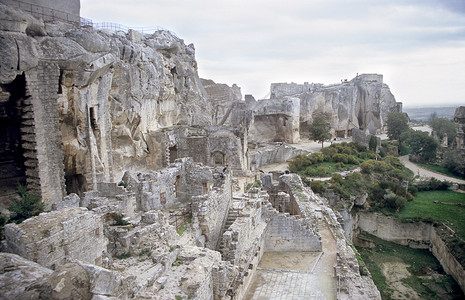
[(417, 170)]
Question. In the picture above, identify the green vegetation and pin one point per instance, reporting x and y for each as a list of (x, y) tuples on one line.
[(337, 157), (440, 169), (420, 144), (257, 183), (319, 130), (444, 126), (123, 183), (426, 276), (181, 229), (452, 160), (397, 123), (119, 220), (26, 206), (422, 207), (124, 255)]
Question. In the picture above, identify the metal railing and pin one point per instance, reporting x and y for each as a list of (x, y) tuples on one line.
[(45, 13), (49, 14)]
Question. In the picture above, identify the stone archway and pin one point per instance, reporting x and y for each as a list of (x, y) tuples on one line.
[(218, 159)]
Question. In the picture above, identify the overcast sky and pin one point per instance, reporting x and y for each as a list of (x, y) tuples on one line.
[(419, 46)]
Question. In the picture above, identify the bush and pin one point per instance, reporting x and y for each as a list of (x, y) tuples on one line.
[(299, 163), (119, 220), (322, 171), (340, 157), (317, 157), (352, 160), (431, 184), (28, 205), (339, 166), (317, 186), (337, 178)]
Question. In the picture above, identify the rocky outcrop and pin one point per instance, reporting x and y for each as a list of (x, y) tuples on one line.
[(96, 97), (362, 102), (23, 279)]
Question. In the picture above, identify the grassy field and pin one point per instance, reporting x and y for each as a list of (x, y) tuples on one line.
[(400, 272), (440, 169), (422, 207)]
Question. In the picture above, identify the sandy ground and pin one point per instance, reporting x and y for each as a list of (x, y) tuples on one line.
[(291, 261)]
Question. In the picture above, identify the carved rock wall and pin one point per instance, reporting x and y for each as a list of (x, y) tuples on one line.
[(362, 102), (109, 90)]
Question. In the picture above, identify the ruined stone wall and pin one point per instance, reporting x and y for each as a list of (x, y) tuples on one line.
[(415, 235), (50, 238), (173, 186), (444, 255), (243, 244), (43, 84), (362, 102), (271, 154), (275, 120), (289, 233), (210, 211), (223, 100), (105, 94)]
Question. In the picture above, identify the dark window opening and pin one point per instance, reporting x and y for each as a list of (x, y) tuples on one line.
[(173, 153)]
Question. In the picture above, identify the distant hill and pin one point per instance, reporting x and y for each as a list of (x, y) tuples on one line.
[(424, 113)]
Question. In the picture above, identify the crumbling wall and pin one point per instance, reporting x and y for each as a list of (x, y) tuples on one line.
[(98, 95), (289, 233), (172, 186), (415, 235), (362, 102), (272, 154), (275, 120), (50, 238), (210, 210)]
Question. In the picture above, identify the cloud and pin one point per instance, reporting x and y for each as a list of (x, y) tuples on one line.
[(415, 44)]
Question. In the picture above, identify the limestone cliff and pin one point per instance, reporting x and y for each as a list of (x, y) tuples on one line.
[(362, 102), (96, 94)]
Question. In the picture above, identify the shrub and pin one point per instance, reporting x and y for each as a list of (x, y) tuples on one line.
[(340, 157), (299, 163), (339, 166), (352, 160), (317, 186), (28, 205), (322, 171), (337, 178), (368, 166), (317, 157), (119, 220)]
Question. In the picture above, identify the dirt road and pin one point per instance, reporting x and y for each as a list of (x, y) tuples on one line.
[(417, 170)]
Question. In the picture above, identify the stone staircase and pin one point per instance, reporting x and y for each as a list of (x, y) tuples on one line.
[(233, 214)]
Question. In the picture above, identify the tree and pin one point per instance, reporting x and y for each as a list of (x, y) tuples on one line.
[(319, 130), (397, 123), (421, 144), (26, 206), (444, 126)]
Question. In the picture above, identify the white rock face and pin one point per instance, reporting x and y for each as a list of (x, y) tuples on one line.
[(114, 89), (22, 279), (362, 102)]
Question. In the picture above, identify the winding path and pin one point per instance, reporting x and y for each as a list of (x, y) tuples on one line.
[(417, 170)]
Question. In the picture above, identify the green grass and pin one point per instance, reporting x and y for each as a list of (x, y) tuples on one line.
[(421, 264), (422, 207), (440, 169), (331, 167)]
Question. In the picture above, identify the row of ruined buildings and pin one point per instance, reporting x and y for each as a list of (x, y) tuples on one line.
[(80, 107), (109, 125)]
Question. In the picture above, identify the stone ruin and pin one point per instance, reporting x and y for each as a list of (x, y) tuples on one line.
[(137, 161)]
